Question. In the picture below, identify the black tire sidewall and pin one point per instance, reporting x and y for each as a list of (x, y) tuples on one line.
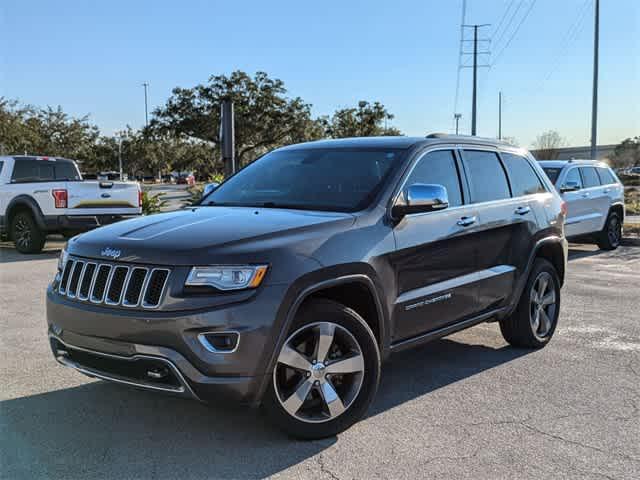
[(329, 311), (37, 237), (604, 242)]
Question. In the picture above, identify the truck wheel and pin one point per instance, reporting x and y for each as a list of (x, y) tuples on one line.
[(534, 321), (609, 237), (327, 372), (25, 233)]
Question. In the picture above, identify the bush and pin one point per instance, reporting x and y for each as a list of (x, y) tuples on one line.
[(152, 203), (629, 180)]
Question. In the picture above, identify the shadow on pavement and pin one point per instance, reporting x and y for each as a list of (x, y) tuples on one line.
[(100, 429)]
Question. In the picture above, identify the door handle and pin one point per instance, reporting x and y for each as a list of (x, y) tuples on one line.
[(585, 195), (522, 210), (606, 190), (466, 221)]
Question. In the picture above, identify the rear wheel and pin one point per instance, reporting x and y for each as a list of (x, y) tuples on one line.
[(610, 236), (25, 233), (534, 321), (327, 372)]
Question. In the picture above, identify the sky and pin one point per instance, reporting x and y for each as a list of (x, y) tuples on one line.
[(91, 57)]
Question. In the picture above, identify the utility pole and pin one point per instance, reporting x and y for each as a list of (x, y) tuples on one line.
[(500, 115), (474, 101), (594, 101), (120, 154), (457, 116), (146, 110)]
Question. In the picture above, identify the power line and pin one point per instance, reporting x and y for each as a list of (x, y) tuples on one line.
[(571, 35), (508, 26), (504, 15), (515, 32)]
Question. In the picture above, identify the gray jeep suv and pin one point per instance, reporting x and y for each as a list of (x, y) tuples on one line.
[(290, 284)]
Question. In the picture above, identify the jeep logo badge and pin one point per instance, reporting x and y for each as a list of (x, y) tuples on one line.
[(110, 252)]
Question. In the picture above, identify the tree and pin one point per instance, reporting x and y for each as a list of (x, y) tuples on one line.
[(44, 131), (365, 120), (627, 153), (547, 144), (265, 118)]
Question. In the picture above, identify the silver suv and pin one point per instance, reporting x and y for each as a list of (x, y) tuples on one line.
[(594, 196)]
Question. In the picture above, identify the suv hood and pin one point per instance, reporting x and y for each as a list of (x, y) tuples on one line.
[(205, 235)]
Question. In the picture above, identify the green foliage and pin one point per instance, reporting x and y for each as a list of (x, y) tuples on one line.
[(365, 120), (627, 154), (632, 201), (152, 203), (265, 118), (183, 134), (44, 131)]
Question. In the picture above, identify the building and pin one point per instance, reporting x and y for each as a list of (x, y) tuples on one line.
[(579, 153)]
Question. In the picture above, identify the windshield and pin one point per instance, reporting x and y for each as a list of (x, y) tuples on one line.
[(552, 173), (344, 180)]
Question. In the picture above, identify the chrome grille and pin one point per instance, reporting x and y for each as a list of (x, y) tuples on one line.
[(113, 284)]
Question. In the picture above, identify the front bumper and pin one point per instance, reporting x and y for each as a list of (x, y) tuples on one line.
[(123, 346)]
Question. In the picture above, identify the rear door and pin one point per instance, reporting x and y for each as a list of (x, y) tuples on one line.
[(577, 204), (506, 223), (435, 261), (36, 178), (596, 201)]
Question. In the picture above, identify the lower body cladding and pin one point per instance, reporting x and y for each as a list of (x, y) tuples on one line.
[(209, 356)]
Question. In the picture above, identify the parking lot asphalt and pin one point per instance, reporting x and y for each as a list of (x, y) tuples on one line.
[(467, 406)]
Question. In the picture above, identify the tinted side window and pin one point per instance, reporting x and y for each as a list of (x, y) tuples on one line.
[(590, 177), (524, 180), (32, 171), (1, 165), (487, 179), (66, 171), (606, 177), (439, 167), (573, 177)]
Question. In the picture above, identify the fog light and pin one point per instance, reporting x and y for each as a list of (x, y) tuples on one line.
[(220, 342)]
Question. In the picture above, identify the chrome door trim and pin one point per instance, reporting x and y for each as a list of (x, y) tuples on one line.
[(437, 288)]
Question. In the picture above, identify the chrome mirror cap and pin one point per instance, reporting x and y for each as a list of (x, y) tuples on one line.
[(421, 197)]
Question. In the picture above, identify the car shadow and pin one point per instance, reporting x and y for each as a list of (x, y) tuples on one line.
[(52, 247), (103, 429)]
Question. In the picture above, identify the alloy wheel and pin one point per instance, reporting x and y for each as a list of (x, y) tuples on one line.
[(614, 232), (319, 372), (543, 305), (22, 233)]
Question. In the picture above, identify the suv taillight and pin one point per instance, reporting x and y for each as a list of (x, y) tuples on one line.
[(60, 197), (140, 198)]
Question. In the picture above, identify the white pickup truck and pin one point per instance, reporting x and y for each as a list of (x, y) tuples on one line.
[(43, 195)]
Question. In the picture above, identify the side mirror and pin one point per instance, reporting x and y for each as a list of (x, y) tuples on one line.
[(209, 187), (419, 198), (569, 187)]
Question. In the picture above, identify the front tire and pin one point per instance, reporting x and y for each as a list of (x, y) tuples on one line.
[(327, 372), (25, 233), (611, 234), (535, 319)]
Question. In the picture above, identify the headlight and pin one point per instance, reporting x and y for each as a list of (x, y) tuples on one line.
[(62, 259), (227, 277)]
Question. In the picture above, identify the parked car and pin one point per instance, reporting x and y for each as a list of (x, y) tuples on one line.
[(292, 282), (595, 199), (43, 195), (186, 179)]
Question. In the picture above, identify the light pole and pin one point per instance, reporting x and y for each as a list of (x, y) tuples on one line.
[(146, 110), (457, 116), (594, 99)]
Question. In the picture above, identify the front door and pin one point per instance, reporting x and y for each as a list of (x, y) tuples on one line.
[(435, 261)]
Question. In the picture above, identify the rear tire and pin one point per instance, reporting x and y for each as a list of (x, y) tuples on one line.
[(25, 233), (609, 237), (534, 320), (333, 390)]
